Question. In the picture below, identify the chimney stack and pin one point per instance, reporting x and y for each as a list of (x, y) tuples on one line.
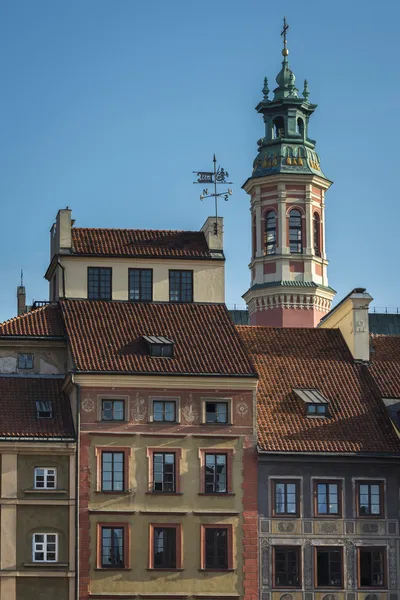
[(21, 297), (213, 229)]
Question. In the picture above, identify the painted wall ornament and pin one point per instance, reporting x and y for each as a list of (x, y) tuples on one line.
[(190, 412), (88, 405), (242, 408), (138, 407), (329, 597), (286, 526), (328, 527), (392, 564), (286, 597), (265, 560)]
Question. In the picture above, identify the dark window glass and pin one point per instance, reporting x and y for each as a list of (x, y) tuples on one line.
[(216, 473), (216, 549), (112, 471), (372, 567), (317, 235), (317, 410), (327, 498), (329, 567), (99, 283), (216, 412), (369, 498), (279, 127), (164, 411), (287, 567), (140, 284), (286, 500), (181, 286), (270, 233), (295, 234), (112, 547), (44, 409), (163, 472), (25, 361), (112, 410), (164, 548), (165, 350)]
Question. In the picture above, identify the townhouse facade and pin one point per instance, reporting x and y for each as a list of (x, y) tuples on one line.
[(38, 462)]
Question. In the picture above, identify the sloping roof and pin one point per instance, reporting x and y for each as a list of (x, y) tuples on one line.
[(315, 358), (107, 336), (140, 243), (40, 322), (18, 396), (385, 364)]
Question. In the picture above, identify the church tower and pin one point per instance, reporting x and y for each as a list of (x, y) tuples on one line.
[(289, 281)]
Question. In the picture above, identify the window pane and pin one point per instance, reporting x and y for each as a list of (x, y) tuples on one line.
[(164, 549), (216, 548), (181, 286), (286, 567), (99, 283), (140, 284), (112, 547)]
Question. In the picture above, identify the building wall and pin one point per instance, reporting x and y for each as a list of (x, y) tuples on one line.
[(190, 508), (309, 531), (49, 358), (26, 511), (208, 277)]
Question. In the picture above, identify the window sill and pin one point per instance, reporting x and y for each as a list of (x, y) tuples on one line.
[(217, 424), (286, 587), (284, 516), (164, 493), (113, 493), (217, 494), (380, 588), (113, 569), (46, 565), (217, 570), (46, 491), (164, 569), (319, 517)]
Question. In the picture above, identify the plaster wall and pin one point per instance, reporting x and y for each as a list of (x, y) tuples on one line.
[(48, 359), (287, 317), (26, 467), (29, 588), (208, 277)]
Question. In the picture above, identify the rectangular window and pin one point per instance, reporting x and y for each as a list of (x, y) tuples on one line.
[(329, 566), (112, 410), (369, 498), (44, 547), (216, 548), (163, 472), (99, 283), (317, 410), (112, 471), (216, 412), (164, 548), (164, 411), (180, 286), (286, 566), (140, 285), (285, 498), (216, 473), (25, 361), (45, 478), (112, 547), (327, 498), (371, 567), (44, 409)]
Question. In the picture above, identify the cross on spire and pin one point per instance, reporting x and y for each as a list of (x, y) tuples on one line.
[(283, 34)]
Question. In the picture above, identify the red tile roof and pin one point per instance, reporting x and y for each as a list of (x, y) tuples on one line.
[(18, 396), (385, 364), (40, 322), (140, 243), (107, 336), (315, 358)]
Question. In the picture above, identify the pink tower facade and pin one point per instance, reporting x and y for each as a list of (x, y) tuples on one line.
[(289, 280)]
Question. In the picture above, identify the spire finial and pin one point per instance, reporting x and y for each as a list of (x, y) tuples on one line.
[(306, 91), (285, 51), (22, 277), (265, 89)]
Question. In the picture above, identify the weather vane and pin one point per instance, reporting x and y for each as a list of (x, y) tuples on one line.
[(217, 176)]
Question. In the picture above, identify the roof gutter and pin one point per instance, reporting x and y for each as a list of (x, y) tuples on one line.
[(33, 438), (169, 374), (328, 454)]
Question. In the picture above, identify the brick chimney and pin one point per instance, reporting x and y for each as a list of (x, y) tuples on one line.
[(21, 300)]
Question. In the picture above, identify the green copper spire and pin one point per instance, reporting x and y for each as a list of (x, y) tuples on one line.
[(286, 146)]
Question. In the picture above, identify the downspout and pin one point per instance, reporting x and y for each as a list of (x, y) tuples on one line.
[(77, 473), (63, 277)]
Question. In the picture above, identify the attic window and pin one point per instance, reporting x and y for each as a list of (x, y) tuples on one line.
[(316, 403), (44, 409), (159, 346)]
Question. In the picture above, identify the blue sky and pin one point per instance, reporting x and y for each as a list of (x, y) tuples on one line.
[(107, 106)]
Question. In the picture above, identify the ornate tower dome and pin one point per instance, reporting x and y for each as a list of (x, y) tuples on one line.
[(289, 283)]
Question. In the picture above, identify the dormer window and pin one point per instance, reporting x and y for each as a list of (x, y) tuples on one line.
[(44, 409), (159, 346), (316, 403)]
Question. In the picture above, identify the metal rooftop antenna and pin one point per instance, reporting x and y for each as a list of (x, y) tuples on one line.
[(217, 176)]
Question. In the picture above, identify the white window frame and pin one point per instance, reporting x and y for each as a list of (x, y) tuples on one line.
[(46, 474), (214, 400), (36, 547)]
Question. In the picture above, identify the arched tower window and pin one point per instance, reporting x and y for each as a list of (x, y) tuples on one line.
[(279, 127), (270, 232), (295, 232), (300, 126), (317, 234), (254, 236)]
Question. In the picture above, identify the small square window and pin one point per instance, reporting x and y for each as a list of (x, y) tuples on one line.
[(45, 478), (25, 361), (44, 409), (44, 547), (216, 412), (112, 410), (317, 410), (164, 411)]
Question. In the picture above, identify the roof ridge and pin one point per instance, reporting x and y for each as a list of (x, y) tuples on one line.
[(135, 229)]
